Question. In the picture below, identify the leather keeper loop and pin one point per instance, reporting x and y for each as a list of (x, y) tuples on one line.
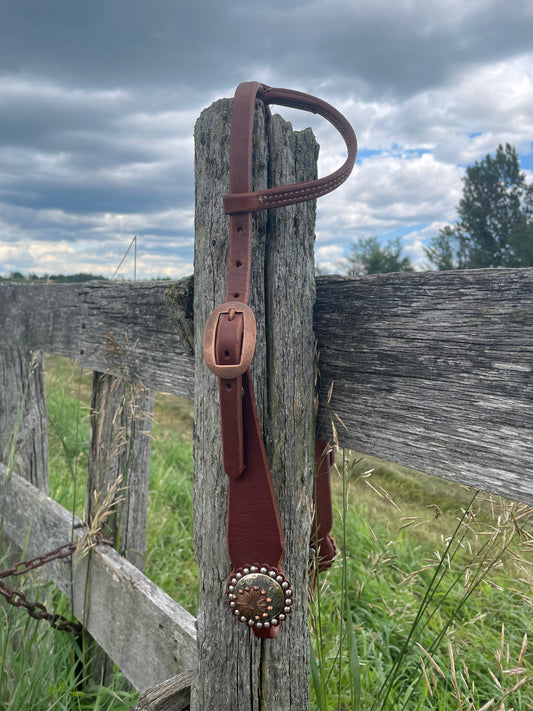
[(242, 200), (259, 593), (211, 333)]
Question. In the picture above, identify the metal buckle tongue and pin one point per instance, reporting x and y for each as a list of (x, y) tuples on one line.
[(260, 597), (212, 334), (229, 344)]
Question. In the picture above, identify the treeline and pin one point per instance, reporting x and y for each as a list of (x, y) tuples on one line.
[(47, 278), (494, 226)]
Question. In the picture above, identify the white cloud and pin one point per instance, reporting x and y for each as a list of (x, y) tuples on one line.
[(329, 258), (413, 152), (389, 192), (54, 241), (96, 144), (27, 256), (494, 101), (413, 244), (62, 257)]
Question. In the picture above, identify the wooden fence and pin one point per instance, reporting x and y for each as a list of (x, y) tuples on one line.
[(431, 370)]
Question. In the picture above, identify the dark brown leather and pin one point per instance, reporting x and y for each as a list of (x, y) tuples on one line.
[(254, 528), (241, 200), (254, 534), (323, 542)]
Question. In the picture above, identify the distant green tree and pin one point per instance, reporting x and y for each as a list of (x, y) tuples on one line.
[(521, 243), (442, 250), (369, 257), (69, 278), (495, 226)]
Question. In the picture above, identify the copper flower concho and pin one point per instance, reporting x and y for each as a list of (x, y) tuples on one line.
[(259, 596)]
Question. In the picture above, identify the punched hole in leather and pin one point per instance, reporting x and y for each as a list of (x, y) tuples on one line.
[(258, 592)]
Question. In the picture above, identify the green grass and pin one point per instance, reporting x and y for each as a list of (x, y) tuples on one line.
[(385, 634), (68, 395), (440, 591), (170, 559), (170, 554), (43, 670)]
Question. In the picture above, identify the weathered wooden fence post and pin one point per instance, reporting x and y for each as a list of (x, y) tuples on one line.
[(236, 670), (23, 421), (23, 415), (119, 460), (119, 467)]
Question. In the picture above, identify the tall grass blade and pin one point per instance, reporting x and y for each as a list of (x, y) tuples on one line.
[(318, 681), (437, 578), (353, 660)]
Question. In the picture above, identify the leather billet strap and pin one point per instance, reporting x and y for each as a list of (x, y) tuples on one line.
[(258, 591), (323, 541)]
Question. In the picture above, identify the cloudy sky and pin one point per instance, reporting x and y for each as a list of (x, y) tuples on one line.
[(98, 100)]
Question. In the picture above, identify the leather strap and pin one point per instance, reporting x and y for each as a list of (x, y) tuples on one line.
[(324, 543), (241, 200), (258, 591)]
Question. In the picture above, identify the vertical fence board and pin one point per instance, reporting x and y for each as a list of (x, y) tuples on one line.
[(288, 412), (119, 460), (118, 473), (235, 669), (23, 415)]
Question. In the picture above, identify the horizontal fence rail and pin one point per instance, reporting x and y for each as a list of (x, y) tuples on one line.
[(146, 633), (102, 325), (433, 370)]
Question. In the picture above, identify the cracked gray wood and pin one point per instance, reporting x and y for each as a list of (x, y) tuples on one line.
[(118, 471), (148, 635), (89, 322), (119, 459), (431, 370), (171, 695), (23, 414), (236, 670)]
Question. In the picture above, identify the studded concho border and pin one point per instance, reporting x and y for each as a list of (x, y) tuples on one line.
[(259, 596)]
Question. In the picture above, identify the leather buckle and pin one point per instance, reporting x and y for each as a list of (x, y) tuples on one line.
[(231, 309)]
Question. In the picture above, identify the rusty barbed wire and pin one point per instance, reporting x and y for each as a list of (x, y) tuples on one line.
[(36, 609)]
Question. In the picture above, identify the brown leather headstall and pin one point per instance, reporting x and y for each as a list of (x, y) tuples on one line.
[(258, 591)]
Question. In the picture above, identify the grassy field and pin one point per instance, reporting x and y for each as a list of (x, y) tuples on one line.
[(429, 606)]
